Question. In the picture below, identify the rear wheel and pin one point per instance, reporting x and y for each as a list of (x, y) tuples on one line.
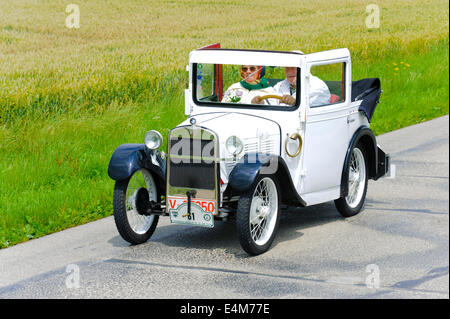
[(132, 226), (352, 204), (258, 215)]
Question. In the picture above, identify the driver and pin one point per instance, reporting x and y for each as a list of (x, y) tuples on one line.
[(319, 94), (249, 90)]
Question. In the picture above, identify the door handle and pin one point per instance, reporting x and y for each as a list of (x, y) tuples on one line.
[(294, 137)]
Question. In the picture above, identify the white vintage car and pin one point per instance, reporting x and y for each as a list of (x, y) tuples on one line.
[(264, 128)]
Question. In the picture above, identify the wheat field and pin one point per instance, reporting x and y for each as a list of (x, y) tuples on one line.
[(123, 49)]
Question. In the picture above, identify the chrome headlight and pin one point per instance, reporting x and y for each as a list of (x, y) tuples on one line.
[(234, 145), (153, 139)]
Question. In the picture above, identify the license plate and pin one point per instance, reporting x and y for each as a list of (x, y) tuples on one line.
[(202, 211)]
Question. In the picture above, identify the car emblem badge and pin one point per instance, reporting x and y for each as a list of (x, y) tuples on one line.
[(192, 121)]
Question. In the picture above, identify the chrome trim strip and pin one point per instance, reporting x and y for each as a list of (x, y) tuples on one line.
[(195, 158)]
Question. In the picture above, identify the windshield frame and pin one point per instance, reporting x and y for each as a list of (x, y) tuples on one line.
[(245, 106)]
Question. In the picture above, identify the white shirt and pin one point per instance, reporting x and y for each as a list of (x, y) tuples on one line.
[(319, 94)]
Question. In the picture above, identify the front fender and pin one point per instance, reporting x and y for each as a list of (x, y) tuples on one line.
[(246, 170), (128, 158), (251, 165), (125, 161)]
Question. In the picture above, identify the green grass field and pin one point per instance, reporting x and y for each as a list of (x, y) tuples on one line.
[(69, 97)]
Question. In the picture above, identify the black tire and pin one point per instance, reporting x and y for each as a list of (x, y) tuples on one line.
[(121, 217), (342, 203), (243, 216)]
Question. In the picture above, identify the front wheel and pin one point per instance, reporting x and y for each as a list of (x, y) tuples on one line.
[(132, 226), (357, 169), (258, 214)]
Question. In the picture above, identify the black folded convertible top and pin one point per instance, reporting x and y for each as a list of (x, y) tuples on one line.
[(369, 91)]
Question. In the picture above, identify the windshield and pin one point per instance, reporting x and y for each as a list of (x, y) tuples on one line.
[(262, 86)]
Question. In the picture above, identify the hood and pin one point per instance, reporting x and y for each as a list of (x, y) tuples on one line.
[(242, 125), (258, 134)]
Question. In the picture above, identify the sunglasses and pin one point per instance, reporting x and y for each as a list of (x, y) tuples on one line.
[(252, 68)]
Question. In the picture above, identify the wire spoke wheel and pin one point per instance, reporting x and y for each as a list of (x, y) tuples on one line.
[(139, 223), (352, 203), (357, 176), (263, 209), (132, 226), (257, 215)]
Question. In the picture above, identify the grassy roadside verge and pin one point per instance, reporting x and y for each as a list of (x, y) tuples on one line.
[(54, 170), (415, 87)]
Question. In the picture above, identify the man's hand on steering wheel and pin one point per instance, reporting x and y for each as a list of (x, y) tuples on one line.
[(287, 99)]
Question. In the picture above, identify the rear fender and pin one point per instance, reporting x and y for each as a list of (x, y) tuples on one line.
[(366, 138)]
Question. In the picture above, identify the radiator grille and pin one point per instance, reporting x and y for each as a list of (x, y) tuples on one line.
[(192, 163)]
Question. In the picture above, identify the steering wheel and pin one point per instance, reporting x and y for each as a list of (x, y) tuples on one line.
[(270, 96)]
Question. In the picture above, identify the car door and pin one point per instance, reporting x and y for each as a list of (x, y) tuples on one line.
[(326, 129)]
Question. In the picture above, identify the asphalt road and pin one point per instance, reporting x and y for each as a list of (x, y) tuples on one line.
[(398, 247)]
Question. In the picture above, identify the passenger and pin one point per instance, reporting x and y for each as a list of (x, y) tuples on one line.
[(319, 94), (252, 86)]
